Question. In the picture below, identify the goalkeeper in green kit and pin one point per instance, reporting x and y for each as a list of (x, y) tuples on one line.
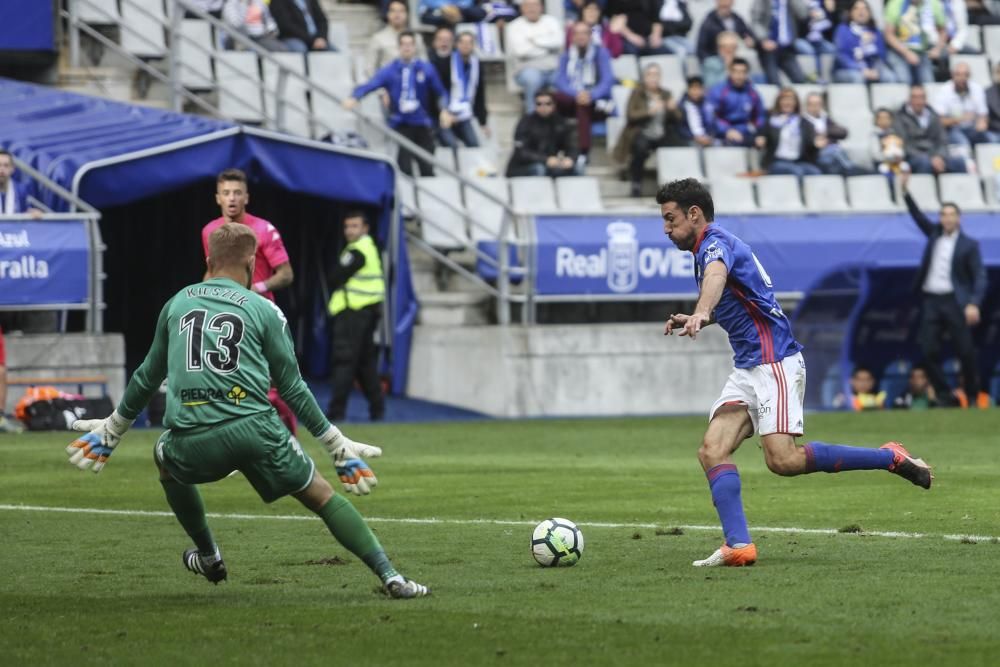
[(221, 344)]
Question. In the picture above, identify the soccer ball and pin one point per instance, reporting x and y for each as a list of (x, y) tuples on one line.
[(556, 542)]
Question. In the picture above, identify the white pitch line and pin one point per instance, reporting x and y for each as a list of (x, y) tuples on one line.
[(500, 522)]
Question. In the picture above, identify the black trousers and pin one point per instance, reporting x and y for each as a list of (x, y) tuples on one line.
[(421, 136), (355, 357), (941, 314)]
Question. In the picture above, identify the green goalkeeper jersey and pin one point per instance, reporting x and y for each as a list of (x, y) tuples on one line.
[(221, 346)]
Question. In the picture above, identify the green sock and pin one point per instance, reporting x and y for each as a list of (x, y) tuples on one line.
[(186, 503), (349, 528)]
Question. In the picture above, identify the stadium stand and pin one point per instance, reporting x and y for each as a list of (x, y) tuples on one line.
[(825, 193)]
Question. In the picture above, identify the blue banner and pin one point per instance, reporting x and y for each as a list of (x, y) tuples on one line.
[(43, 262), (630, 255)]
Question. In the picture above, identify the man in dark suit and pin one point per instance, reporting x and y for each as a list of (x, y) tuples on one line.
[(302, 25), (952, 280)]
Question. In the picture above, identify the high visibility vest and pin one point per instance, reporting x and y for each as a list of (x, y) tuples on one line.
[(366, 286)]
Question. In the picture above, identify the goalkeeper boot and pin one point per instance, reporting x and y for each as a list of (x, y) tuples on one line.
[(908, 467), (213, 569), (727, 556), (404, 589)]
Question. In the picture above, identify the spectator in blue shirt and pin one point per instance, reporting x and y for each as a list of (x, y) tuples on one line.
[(775, 23), (584, 82), (410, 83), (736, 108), (860, 49), (450, 12)]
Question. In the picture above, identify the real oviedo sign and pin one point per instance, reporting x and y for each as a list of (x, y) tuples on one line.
[(609, 255), (43, 262)]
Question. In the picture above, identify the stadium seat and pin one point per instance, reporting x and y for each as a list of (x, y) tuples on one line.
[(675, 163), (779, 194), (733, 195), (533, 194), (870, 193), (485, 224), (142, 28), (692, 66), (988, 160), (406, 195), (952, 371), (974, 38), (195, 60), (625, 67), (825, 193), (859, 132), (808, 65), (804, 89), (768, 94), (895, 380), (579, 194), (979, 67), (99, 12), (671, 72), (846, 100), (339, 36), (555, 8), (296, 104), (615, 124), (965, 189), (445, 156), (477, 161), (238, 78), (923, 189), (332, 71), (442, 221), (724, 161), (889, 95), (991, 42)]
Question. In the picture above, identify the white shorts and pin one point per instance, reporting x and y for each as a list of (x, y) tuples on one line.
[(772, 393)]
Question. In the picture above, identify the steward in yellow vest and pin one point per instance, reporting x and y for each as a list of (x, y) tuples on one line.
[(358, 289)]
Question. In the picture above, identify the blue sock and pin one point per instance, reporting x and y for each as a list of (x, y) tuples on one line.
[(821, 457), (724, 481)]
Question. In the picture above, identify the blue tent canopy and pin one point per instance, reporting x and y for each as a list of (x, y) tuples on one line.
[(111, 154)]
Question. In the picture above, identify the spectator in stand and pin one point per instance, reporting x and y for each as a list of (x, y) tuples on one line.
[(543, 143), (606, 33), (774, 23), (534, 40), (864, 392), (573, 9), (715, 68), (451, 12), (410, 82), (832, 158), (993, 101), (886, 147), (697, 116), (818, 29), (654, 120), (643, 31), (915, 34), (13, 195), (961, 104), (952, 281), (735, 106), (583, 86), (919, 394), (253, 19), (861, 49), (788, 140), (383, 46), (672, 28), (924, 137), (956, 26), (719, 20), (302, 25), (442, 44), (461, 76)]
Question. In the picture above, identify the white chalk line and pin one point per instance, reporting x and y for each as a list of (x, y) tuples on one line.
[(503, 522)]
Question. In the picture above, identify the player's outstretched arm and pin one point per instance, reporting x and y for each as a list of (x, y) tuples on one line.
[(712, 286)]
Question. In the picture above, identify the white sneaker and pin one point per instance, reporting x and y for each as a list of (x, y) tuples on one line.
[(403, 590), (730, 557)]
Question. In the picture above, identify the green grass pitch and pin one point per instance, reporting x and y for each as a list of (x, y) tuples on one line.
[(91, 588)]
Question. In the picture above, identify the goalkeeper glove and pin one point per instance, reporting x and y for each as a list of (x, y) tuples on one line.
[(102, 436), (347, 455)]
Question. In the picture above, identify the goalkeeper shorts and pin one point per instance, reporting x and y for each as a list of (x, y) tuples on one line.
[(258, 445)]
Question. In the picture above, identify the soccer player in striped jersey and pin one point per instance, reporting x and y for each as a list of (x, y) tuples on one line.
[(764, 393)]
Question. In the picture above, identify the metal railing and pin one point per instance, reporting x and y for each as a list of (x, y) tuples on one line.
[(80, 210), (177, 41)]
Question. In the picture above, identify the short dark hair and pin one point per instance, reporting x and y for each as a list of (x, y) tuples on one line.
[(688, 192), (862, 369), (544, 92), (695, 81), (406, 33), (397, 2), (740, 61), (946, 204), (232, 174), (4, 151), (465, 33), (444, 28), (355, 213)]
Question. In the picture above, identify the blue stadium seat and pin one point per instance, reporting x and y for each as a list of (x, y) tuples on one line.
[(952, 372), (895, 379)]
